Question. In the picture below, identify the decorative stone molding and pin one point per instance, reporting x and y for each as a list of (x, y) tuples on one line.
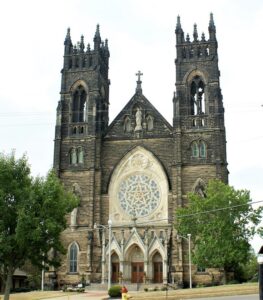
[(138, 189)]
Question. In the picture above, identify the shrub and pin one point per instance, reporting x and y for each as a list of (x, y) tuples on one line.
[(233, 282), (21, 290), (115, 291), (146, 289)]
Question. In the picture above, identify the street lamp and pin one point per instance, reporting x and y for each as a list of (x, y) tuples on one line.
[(109, 266), (109, 271), (260, 272), (189, 256)]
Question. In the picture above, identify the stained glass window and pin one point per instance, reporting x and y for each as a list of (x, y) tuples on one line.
[(202, 149), (195, 150), (73, 258), (139, 195)]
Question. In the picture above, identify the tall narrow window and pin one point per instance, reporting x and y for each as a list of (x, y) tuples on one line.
[(80, 155), (73, 258), (197, 101), (195, 149), (78, 106), (202, 149), (73, 156)]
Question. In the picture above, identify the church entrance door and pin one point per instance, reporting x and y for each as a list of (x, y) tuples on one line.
[(158, 272), (115, 272), (137, 272)]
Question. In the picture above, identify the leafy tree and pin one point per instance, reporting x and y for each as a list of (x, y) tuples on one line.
[(221, 224), (248, 270), (32, 216)]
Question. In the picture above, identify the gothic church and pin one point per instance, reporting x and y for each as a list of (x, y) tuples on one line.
[(138, 169)]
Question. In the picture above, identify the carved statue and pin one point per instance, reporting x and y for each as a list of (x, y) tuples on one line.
[(73, 217)]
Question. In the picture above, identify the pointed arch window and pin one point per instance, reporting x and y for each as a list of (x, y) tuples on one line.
[(197, 102), (79, 105), (199, 149), (76, 156), (80, 155), (73, 156), (73, 258), (202, 147), (195, 149)]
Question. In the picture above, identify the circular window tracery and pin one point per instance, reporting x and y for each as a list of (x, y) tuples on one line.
[(139, 195)]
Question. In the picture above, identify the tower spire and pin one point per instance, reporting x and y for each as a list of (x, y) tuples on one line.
[(68, 42), (212, 28), (179, 31), (81, 45), (178, 24), (97, 38), (195, 34)]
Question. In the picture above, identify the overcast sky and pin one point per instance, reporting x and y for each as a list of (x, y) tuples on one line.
[(141, 37)]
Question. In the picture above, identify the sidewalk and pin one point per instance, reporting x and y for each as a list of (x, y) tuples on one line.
[(91, 295)]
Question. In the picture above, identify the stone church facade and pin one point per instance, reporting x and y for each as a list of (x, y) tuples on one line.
[(137, 170)]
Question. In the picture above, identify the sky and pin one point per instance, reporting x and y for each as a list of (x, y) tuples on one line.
[(141, 37)]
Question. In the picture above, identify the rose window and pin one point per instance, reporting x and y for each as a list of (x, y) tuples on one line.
[(139, 195)]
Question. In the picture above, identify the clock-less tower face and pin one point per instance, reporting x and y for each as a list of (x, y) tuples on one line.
[(138, 189)]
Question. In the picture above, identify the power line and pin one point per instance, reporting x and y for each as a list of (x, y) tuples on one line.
[(217, 209)]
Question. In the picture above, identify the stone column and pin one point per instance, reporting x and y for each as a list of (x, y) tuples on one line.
[(146, 257), (165, 269), (103, 258), (122, 253)]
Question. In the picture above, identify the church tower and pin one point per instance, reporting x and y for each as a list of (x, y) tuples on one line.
[(82, 118), (198, 110), (198, 120), (132, 175)]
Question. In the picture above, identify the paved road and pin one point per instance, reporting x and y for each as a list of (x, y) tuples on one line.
[(244, 297)]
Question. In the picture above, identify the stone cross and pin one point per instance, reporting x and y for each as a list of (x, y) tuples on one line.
[(139, 74)]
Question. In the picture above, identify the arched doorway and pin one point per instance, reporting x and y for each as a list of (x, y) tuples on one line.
[(157, 268), (115, 267), (137, 265)]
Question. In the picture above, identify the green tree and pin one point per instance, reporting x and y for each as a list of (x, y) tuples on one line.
[(248, 270), (32, 216), (221, 224)]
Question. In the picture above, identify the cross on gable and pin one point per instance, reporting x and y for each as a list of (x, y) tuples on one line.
[(139, 74)]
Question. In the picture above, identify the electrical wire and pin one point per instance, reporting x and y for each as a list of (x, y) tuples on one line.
[(218, 209)]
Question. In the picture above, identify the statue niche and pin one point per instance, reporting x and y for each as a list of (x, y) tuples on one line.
[(73, 216)]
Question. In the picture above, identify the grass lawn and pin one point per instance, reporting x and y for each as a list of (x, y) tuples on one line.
[(224, 290), (37, 295)]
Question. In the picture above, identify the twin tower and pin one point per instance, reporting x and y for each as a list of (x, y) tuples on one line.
[(137, 170)]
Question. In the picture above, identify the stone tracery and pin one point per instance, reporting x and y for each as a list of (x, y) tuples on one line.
[(139, 194)]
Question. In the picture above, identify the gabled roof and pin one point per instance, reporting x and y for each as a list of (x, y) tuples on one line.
[(153, 124)]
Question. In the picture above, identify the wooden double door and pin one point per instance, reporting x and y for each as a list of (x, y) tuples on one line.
[(158, 272), (137, 269), (115, 267)]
